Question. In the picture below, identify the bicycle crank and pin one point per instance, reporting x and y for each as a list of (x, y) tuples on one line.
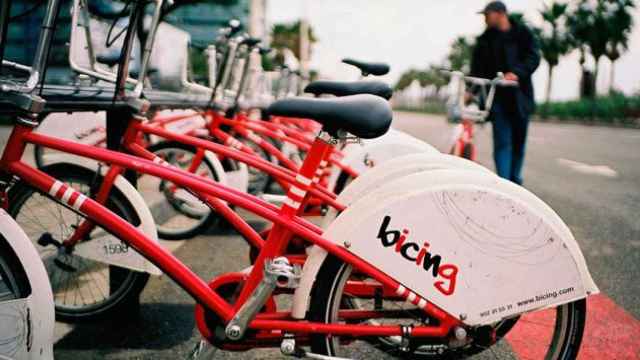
[(277, 273)]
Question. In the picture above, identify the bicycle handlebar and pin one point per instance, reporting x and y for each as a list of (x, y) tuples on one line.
[(499, 80), (478, 114)]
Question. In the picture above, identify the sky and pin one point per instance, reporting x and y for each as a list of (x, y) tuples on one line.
[(415, 33)]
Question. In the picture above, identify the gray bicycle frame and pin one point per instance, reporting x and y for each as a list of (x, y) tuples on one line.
[(38, 66)]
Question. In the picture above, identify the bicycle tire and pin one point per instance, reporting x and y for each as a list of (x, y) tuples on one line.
[(327, 294)]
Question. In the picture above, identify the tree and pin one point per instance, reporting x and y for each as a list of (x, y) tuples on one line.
[(407, 78), (620, 24), (588, 27), (459, 57), (553, 41), (436, 78), (431, 76), (287, 36), (578, 25)]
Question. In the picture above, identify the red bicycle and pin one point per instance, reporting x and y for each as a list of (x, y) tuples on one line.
[(236, 310)]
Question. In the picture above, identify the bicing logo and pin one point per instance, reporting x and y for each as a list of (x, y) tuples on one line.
[(444, 274)]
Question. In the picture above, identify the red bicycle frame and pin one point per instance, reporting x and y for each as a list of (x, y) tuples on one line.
[(463, 145), (257, 131), (287, 224)]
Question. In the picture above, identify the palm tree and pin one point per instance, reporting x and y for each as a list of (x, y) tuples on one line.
[(407, 78), (459, 57), (620, 24), (588, 26), (436, 78), (553, 42)]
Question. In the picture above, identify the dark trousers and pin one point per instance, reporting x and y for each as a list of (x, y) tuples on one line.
[(509, 142)]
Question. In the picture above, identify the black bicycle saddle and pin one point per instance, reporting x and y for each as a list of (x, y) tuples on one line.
[(368, 68), (365, 116), (343, 88)]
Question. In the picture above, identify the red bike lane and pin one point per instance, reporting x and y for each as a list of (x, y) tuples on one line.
[(610, 333)]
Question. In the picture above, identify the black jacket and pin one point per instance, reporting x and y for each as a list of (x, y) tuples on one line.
[(521, 57)]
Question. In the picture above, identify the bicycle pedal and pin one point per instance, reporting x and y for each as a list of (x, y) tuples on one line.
[(283, 273), (47, 239)]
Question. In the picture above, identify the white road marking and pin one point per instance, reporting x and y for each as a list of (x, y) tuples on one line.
[(601, 170)]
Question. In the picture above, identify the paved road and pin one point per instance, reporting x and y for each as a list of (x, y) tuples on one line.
[(589, 175)]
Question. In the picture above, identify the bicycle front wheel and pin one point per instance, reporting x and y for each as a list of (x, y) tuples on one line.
[(558, 331), (83, 289)]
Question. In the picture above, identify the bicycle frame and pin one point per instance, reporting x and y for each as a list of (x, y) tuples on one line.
[(464, 136), (287, 224), (256, 132)]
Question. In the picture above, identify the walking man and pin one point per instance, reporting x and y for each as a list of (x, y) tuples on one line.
[(508, 46)]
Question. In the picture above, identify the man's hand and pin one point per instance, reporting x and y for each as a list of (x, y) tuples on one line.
[(511, 77)]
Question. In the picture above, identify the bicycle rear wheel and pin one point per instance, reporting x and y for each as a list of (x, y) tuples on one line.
[(14, 283), (83, 289), (558, 331)]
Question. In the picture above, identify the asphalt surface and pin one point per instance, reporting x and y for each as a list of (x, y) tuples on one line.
[(589, 175)]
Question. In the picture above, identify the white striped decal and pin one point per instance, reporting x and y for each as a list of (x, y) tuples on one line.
[(411, 297), (422, 304), (323, 163), (78, 201), (54, 188), (297, 191), (70, 196), (292, 203), (303, 180), (67, 195)]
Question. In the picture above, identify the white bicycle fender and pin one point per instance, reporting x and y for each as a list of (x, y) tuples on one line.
[(107, 248), (217, 167), (396, 168), (370, 183), (238, 179), (482, 238), (373, 153), (36, 310)]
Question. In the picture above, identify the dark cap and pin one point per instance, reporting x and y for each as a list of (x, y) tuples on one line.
[(494, 6)]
